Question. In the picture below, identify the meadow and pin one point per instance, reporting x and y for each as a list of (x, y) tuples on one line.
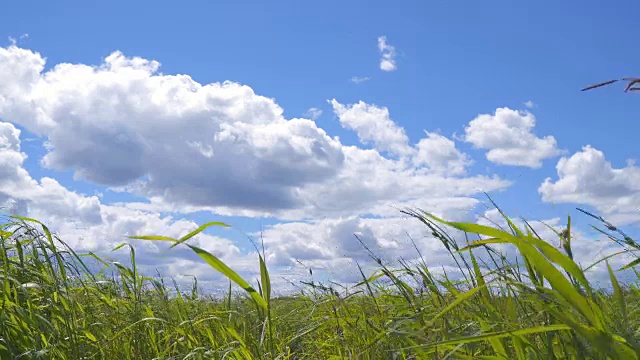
[(543, 306)]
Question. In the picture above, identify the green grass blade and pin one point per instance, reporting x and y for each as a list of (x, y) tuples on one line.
[(473, 228), (605, 342), (479, 278), (561, 284), (617, 253), (541, 264), (198, 231), (153, 237), (220, 266), (501, 334), (631, 264), (561, 259), (459, 300), (617, 293), (479, 243), (266, 281)]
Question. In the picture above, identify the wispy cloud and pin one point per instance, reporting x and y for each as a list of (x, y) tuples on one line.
[(359, 79), (388, 52), (529, 104), (14, 41), (313, 113)]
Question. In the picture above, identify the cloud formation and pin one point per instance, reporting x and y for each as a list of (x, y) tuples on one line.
[(121, 121), (87, 224), (388, 53), (313, 113), (125, 125), (508, 136), (359, 79), (588, 178), (373, 126), (441, 155), (185, 147)]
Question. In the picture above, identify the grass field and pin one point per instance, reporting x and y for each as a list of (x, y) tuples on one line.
[(53, 307)]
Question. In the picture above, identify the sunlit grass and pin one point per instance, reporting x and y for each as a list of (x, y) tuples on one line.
[(53, 306)]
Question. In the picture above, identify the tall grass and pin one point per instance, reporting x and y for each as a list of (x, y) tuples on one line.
[(54, 304)]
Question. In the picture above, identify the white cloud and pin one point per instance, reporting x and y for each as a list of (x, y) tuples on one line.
[(86, 224), (529, 104), (326, 245), (313, 113), (52, 203), (371, 184), (20, 192), (141, 124), (368, 183), (440, 155), (359, 79), (588, 178), (388, 52), (373, 126), (331, 244), (217, 147), (508, 136)]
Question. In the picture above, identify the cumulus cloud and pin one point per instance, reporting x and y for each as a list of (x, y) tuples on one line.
[(20, 192), (334, 244), (124, 125), (51, 202), (331, 244), (89, 225), (86, 224), (388, 52), (587, 177), (441, 155), (324, 245), (371, 184), (122, 121), (373, 126), (508, 135), (186, 147)]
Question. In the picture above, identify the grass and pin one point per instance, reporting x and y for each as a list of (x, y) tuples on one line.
[(53, 306)]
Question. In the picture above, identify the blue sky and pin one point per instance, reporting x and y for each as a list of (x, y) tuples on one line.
[(453, 62)]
